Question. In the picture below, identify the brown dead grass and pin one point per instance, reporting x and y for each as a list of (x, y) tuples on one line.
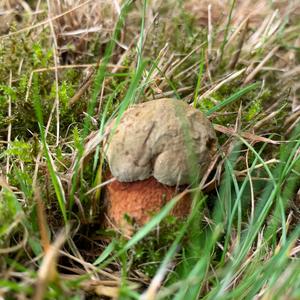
[(78, 28), (255, 27)]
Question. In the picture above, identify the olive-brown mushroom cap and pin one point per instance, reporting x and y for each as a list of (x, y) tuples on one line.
[(163, 138)]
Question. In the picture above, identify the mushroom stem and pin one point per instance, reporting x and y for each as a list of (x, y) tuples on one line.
[(139, 200)]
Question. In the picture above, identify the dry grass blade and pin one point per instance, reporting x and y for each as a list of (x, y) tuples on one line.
[(45, 22), (79, 27), (100, 185), (266, 119), (260, 65), (42, 220), (107, 291), (47, 272), (82, 90), (271, 161), (155, 284), (247, 135), (237, 54), (230, 78), (292, 118)]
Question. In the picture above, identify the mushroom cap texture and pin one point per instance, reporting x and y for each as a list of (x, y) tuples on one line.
[(140, 200), (164, 138)]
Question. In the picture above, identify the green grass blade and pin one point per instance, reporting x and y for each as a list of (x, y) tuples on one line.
[(233, 98), (59, 191)]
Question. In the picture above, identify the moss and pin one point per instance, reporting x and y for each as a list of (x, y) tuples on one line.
[(20, 150), (254, 109), (9, 209), (154, 247), (38, 56)]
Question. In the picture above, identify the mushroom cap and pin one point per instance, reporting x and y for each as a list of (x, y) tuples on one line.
[(164, 138)]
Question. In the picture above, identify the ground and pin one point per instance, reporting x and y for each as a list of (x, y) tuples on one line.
[(68, 67)]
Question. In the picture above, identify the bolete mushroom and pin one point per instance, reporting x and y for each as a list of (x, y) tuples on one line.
[(151, 151)]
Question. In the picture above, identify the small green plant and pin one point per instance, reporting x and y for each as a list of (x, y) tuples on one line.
[(20, 150)]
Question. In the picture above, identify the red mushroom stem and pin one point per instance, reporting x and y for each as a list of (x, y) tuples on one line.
[(141, 199)]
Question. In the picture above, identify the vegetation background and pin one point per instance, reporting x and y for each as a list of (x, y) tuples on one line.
[(67, 67)]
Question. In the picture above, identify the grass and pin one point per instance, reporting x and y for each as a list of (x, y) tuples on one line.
[(241, 239)]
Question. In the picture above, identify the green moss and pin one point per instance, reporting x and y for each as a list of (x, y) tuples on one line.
[(20, 150), (154, 247), (253, 110), (9, 208)]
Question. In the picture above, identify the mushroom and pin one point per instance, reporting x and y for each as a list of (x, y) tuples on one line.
[(151, 151)]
